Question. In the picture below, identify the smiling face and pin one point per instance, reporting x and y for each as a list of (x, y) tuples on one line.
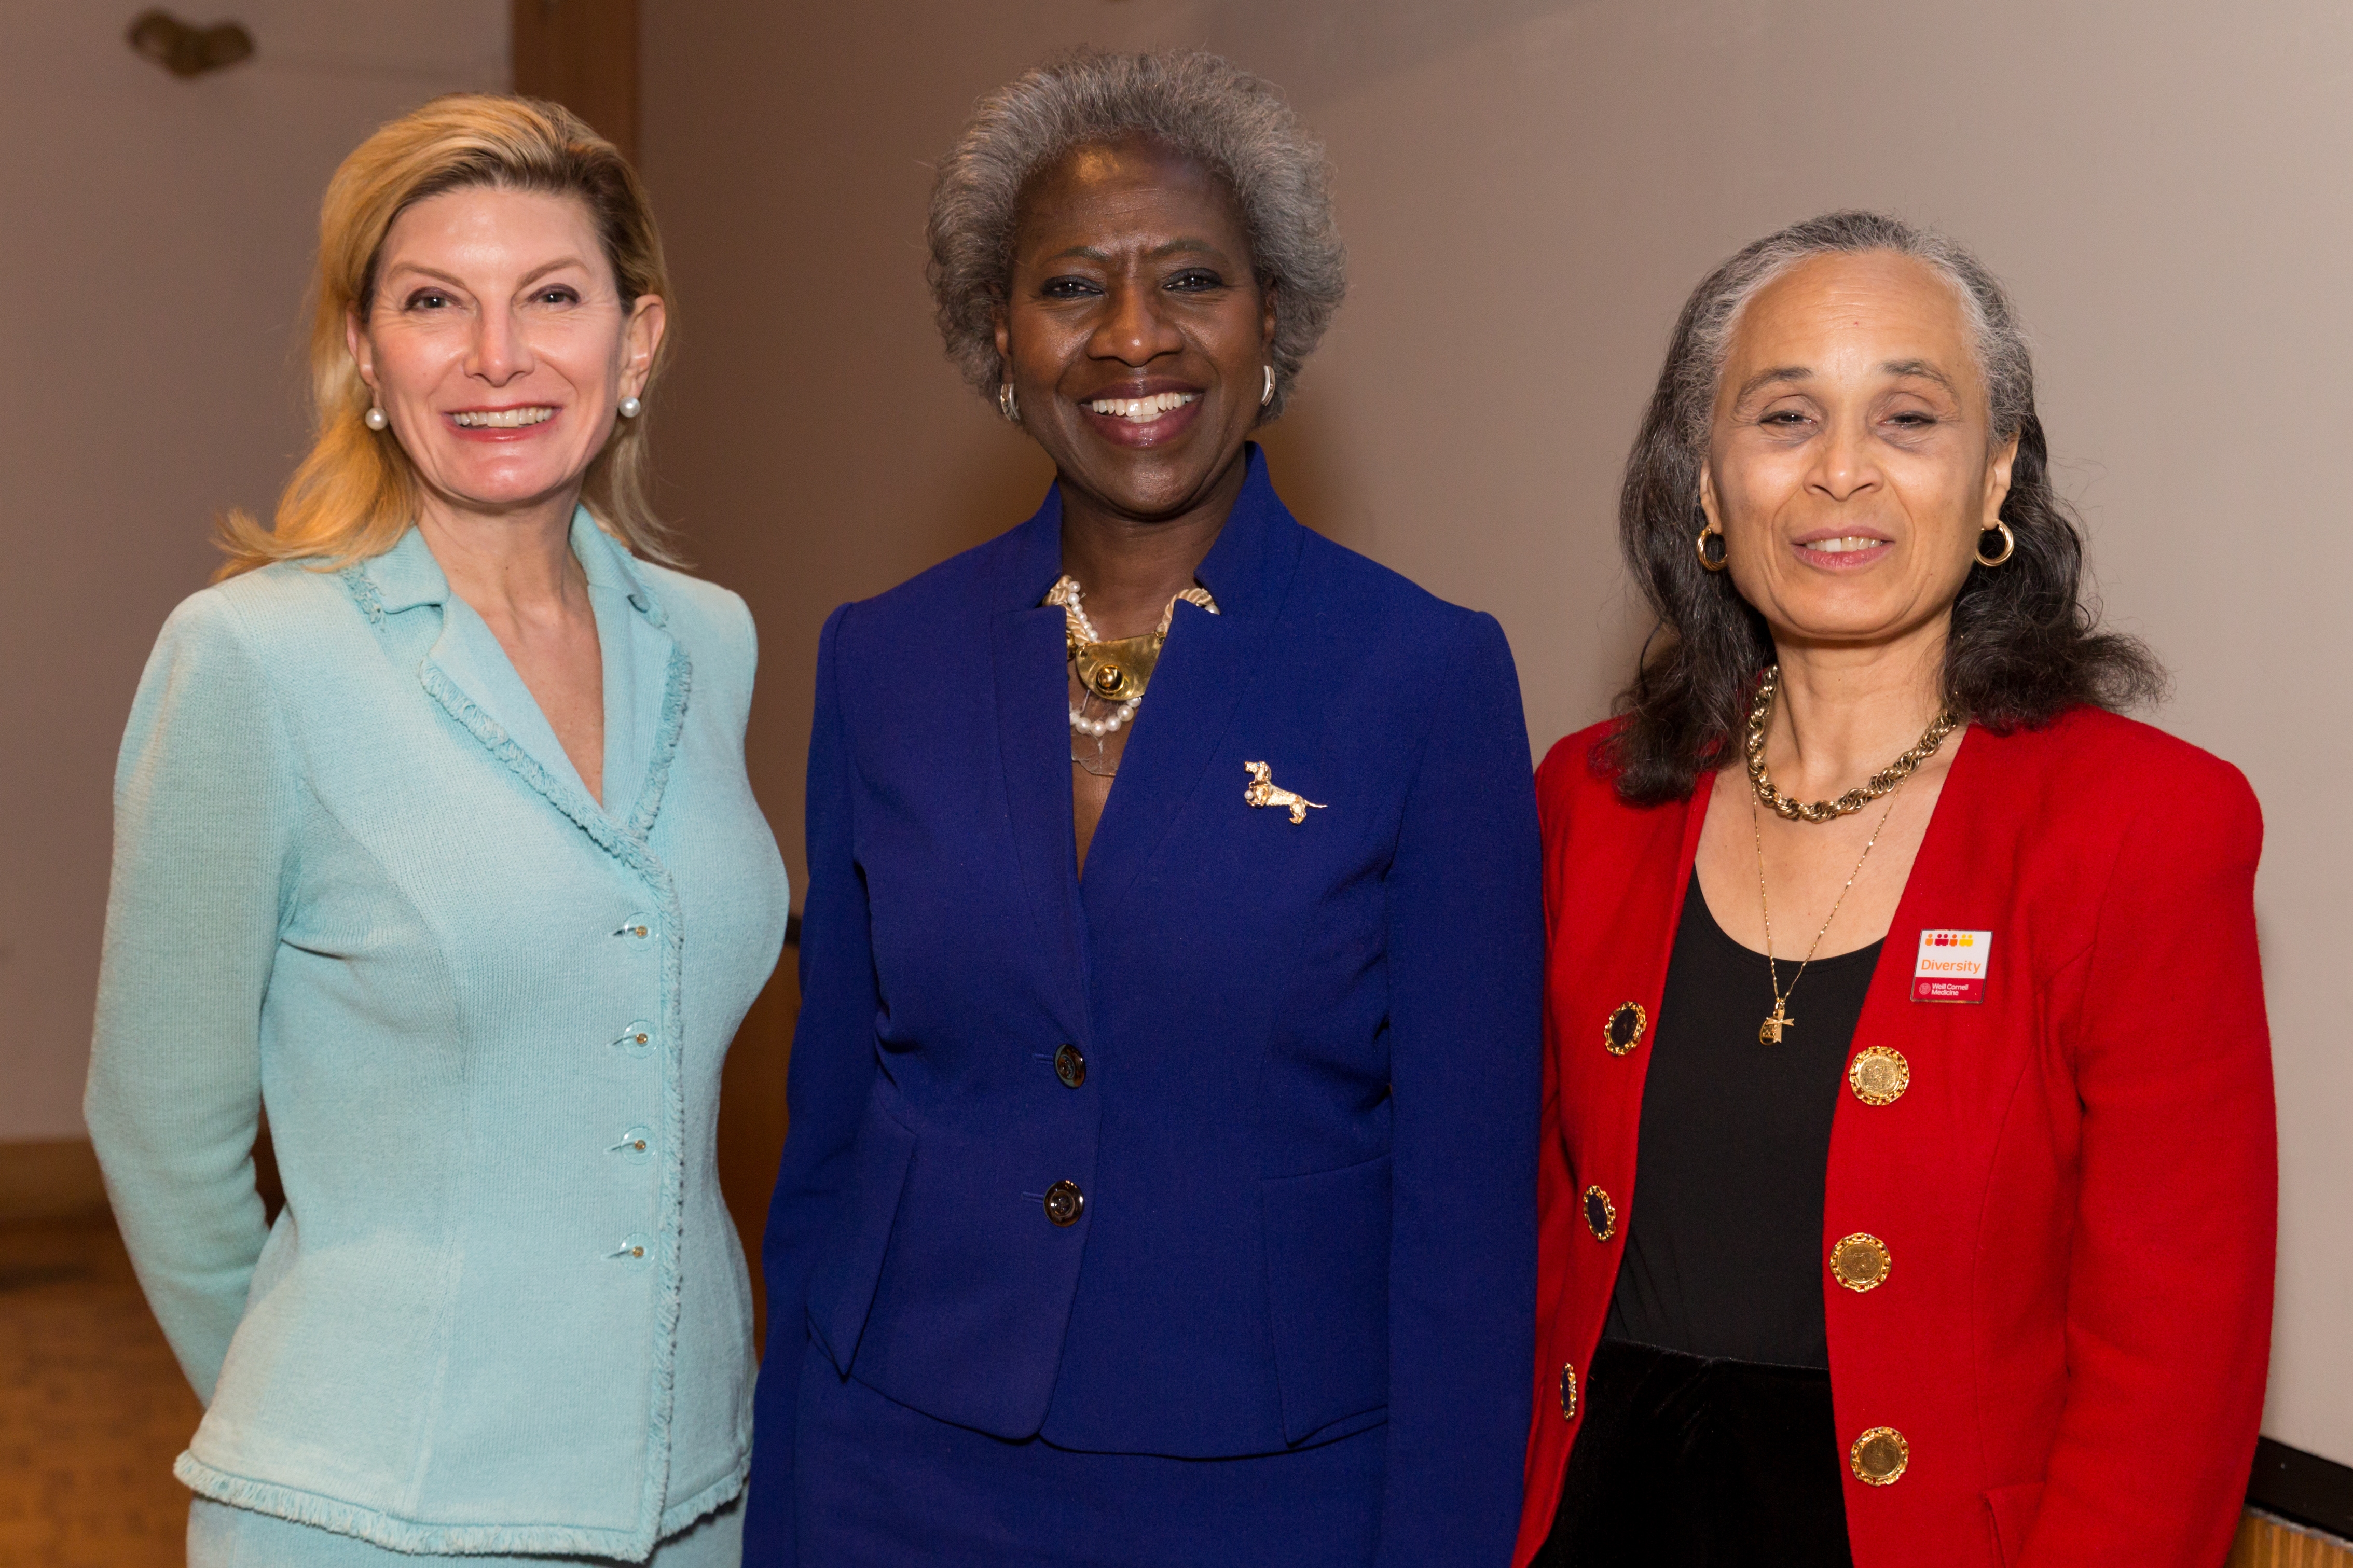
[(1136, 336), (499, 346), (1849, 463)]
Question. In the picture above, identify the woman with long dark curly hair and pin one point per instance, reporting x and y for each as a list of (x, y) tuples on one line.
[(1909, 1177)]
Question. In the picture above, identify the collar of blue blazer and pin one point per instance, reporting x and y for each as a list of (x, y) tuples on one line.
[(1245, 570), (647, 678)]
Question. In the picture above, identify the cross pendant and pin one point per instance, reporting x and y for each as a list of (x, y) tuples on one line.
[(1769, 1033)]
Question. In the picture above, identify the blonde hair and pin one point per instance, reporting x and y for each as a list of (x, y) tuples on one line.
[(355, 494)]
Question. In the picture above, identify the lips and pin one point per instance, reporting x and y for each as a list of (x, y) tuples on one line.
[(1145, 415), (1837, 550), (516, 422)]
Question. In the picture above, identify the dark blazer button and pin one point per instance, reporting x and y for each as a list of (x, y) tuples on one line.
[(1065, 1203), (1070, 1066)]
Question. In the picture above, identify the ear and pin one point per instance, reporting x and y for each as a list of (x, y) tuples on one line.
[(1998, 482), (1707, 501), (1004, 334), (1266, 316), (355, 343), (640, 339)]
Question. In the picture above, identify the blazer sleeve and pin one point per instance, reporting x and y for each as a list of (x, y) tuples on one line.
[(1465, 957), (207, 797), (2169, 1288), (831, 1078)]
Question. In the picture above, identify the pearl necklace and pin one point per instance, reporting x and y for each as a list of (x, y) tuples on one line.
[(1112, 672)]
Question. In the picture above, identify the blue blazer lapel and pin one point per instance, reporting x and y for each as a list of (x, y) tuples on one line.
[(1027, 661), (1203, 675)]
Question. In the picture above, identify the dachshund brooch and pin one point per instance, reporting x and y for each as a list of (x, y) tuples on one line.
[(1263, 790)]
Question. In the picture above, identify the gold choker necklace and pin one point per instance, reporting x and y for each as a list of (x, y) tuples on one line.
[(1113, 671), (1760, 782)]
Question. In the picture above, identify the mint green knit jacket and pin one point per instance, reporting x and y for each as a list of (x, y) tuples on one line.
[(356, 881)]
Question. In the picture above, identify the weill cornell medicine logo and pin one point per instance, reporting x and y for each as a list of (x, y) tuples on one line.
[(1952, 966)]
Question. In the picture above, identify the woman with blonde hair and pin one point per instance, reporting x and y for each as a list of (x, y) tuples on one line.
[(433, 839)]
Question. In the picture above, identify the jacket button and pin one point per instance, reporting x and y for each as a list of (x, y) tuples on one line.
[(636, 1250), (1070, 1066), (1601, 1214), (1624, 1030), (1568, 1391), (1065, 1203), (1879, 1075), (637, 929), (636, 1145), (1879, 1455), (636, 1039), (1861, 1262)]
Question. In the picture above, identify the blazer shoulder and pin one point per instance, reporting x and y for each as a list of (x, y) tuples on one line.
[(1571, 771), (1395, 606), (2103, 760), (278, 610), (710, 615)]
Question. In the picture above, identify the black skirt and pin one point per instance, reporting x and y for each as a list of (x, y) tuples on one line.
[(1689, 1461)]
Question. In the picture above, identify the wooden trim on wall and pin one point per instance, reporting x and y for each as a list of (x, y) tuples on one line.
[(583, 55), (49, 1179)]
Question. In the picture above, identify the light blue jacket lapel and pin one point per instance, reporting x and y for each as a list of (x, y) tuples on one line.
[(646, 679)]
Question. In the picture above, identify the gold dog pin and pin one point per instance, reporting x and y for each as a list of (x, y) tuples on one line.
[(1262, 791)]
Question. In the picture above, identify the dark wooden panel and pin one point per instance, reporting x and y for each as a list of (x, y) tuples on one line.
[(752, 1116), (583, 55)]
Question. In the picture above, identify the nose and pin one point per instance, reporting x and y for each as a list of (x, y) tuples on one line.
[(1843, 465), (500, 351), (1133, 330)]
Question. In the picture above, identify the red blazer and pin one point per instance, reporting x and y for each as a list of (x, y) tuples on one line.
[(2076, 1187)]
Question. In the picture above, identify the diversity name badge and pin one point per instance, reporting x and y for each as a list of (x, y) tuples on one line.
[(1952, 966)]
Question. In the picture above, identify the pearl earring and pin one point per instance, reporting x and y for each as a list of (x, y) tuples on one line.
[(1268, 395), (374, 418), (631, 409)]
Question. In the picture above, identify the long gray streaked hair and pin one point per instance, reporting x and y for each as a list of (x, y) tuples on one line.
[(1195, 103), (2025, 643)]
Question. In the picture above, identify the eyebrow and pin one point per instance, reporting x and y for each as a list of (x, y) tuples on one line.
[(1918, 367), (450, 277)]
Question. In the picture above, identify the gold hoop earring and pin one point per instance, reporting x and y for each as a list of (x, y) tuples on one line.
[(2009, 544), (1712, 560), (1007, 405)]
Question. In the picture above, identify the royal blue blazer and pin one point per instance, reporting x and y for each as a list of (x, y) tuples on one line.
[(1305, 1132)]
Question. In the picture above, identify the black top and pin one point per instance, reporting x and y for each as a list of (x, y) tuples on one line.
[(1724, 1254)]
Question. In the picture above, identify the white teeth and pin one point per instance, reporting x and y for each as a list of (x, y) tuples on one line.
[(1142, 410), (502, 418), (1841, 546)]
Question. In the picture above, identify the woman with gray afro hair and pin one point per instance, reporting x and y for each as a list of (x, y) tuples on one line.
[(1173, 947), (1229, 122)]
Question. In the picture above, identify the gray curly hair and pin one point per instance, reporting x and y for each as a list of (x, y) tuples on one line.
[(1200, 105)]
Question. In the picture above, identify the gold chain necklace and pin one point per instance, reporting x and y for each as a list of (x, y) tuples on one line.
[(1769, 1033), (1760, 782)]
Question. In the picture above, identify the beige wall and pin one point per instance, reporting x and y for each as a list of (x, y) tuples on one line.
[(156, 238), (1528, 189)]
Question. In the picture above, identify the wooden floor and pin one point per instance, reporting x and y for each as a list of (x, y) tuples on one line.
[(93, 1406)]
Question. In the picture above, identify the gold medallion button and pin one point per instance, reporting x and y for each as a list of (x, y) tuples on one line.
[(1879, 1455), (1624, 1030), (1065, 1203), (1601, 1214), (1879, 1075), (1861, 1262), (1568, 1392)]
